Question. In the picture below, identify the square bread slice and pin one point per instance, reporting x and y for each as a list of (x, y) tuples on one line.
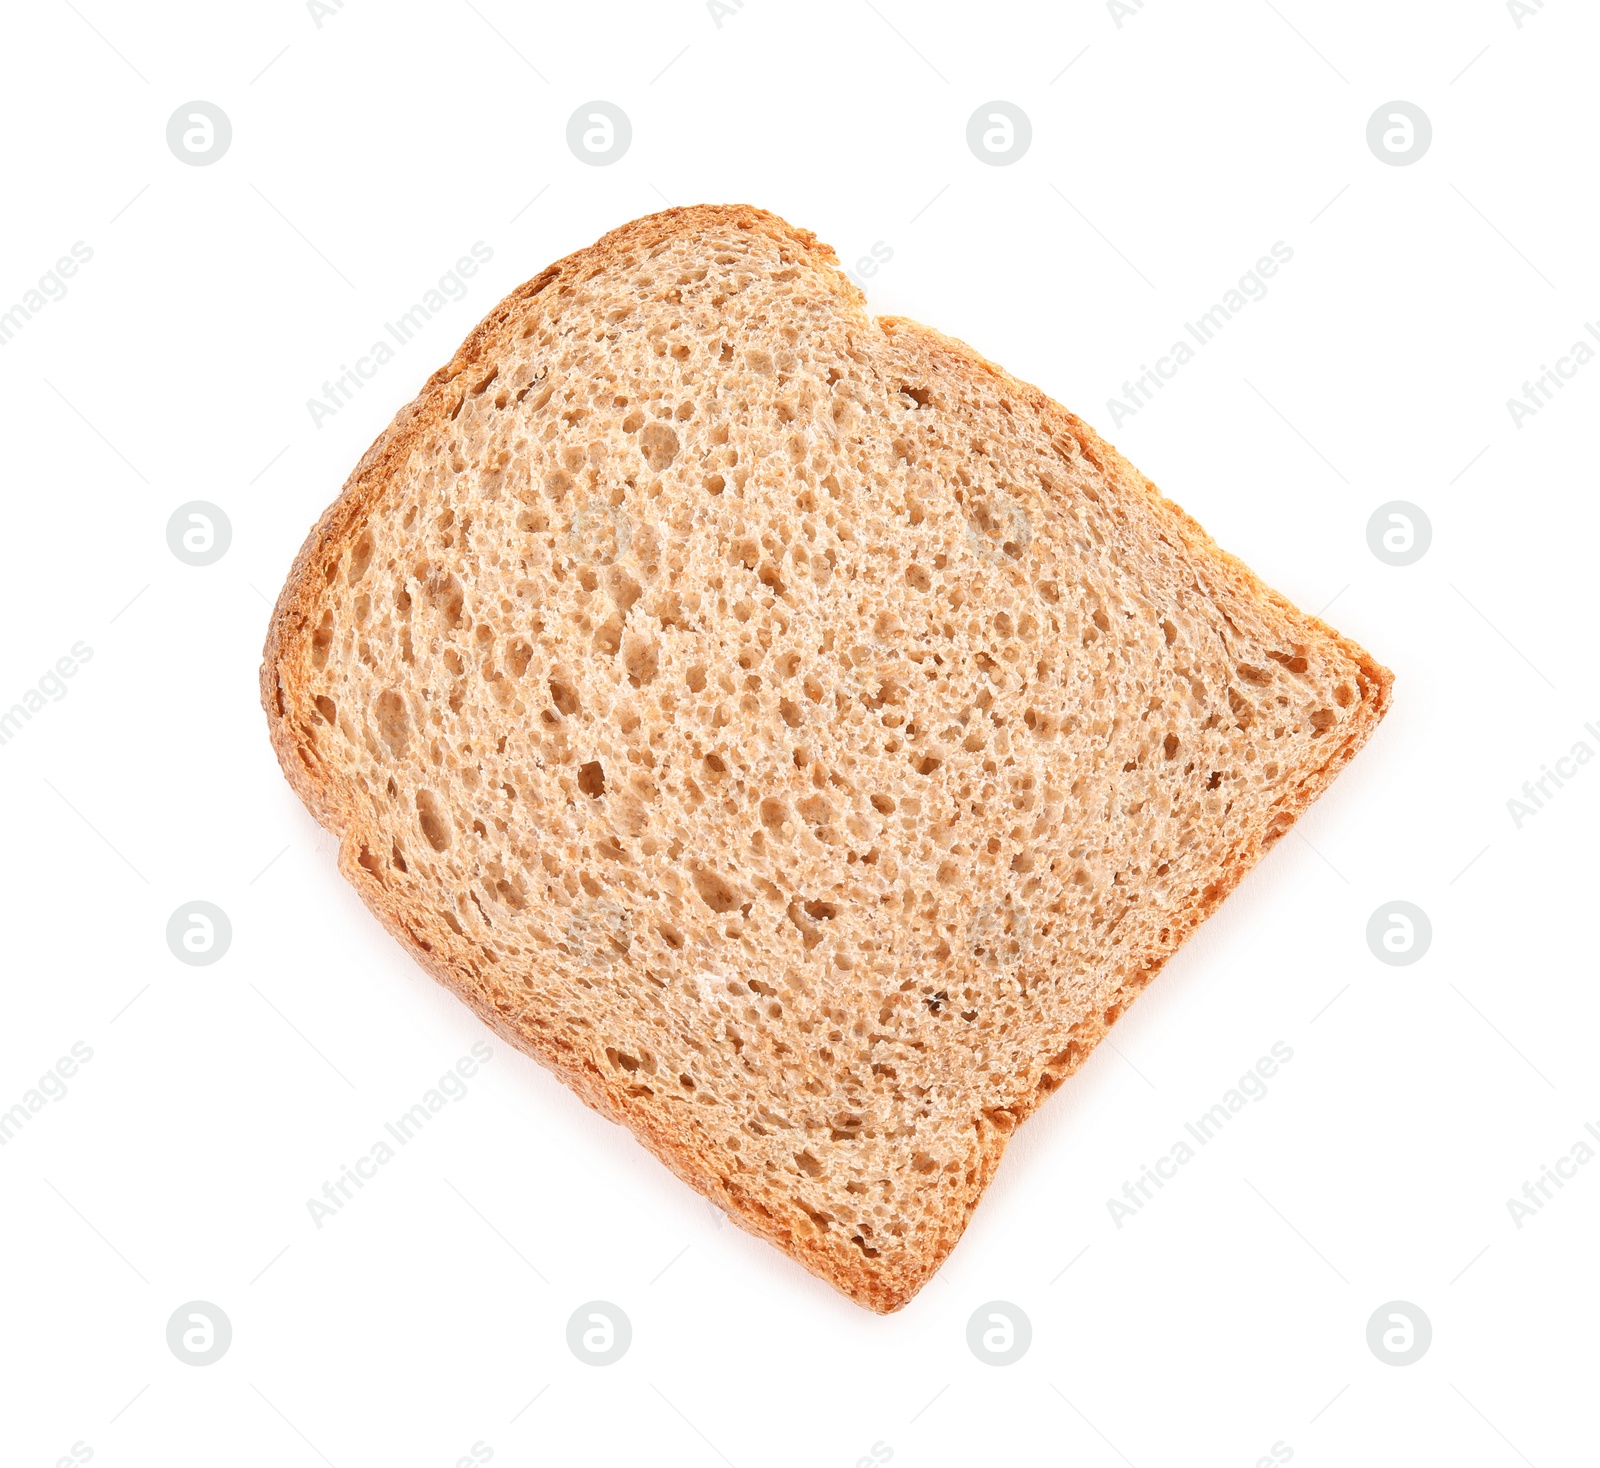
[(798, 734)]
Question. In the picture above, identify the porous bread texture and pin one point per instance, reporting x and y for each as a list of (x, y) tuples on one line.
[(800, 735)]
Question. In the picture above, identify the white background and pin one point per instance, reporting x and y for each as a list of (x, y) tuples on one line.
[(1168, 154)]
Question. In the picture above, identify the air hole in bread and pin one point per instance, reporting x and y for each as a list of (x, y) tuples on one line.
[(360, 557), (659, 445), (435, 826), (564, 697), (641, 659), (714, 891), (394, 723), (322, 640)]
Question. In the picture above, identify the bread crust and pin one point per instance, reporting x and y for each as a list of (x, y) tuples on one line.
[(286, 698)]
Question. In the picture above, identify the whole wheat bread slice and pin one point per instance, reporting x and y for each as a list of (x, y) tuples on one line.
[(801, 736)]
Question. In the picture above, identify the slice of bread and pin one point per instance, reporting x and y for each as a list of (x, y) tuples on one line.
[(801, 736)]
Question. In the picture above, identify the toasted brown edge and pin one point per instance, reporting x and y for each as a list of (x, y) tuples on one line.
[(283, 691)]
